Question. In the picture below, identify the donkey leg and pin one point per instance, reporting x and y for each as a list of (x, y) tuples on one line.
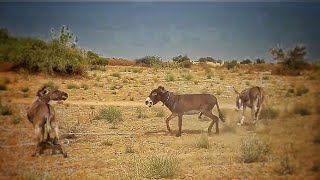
[(199, 117), (38, 131), (242, 116), (60, 146), (168, 120), (215, 120), (180, 125)]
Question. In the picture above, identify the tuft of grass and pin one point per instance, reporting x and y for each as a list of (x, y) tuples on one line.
[(85, 86), (3, 87), (209, 76), (16, 120), (247, 83), (285, 167), (92, 107), (131, 98), (5, 110), (315, 167), (50, 84), (196, 82), (159, 166), (106, 143), (301, 109), (265, 77), (159, 112), (316, 138), (25, 89), (170, 77), (116, 74), (140, 113), (72, 86), (269, 112), (253, 150), (129, 149), (301, 90), (187, 76), (203, 141), (137, 70), (111, 114)]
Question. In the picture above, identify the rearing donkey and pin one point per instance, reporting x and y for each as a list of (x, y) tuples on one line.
[(186, 104), (42, 115), (252, 98)]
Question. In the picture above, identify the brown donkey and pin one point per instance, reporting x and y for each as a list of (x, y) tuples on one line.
[(186, 104), (252, 98), (42, 115)]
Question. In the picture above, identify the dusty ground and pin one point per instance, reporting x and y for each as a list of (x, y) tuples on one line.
[(103, 154)]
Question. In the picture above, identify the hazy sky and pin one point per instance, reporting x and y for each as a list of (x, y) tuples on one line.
[(132, 30)]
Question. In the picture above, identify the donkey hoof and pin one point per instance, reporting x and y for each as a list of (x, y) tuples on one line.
[(65, 155)]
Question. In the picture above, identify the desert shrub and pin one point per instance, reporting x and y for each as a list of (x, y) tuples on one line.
[(85, 86), (170, 77), (315, 167), (203, 141), (159, 112), (292, 62), (301, 109), (209, 76), (159, 166), (268, 112), (301, 89), (265, 77), (231, 65), (50, 84), (285, 167), (182, 61), (129, 149), (253, 150), (96, 62), (5, 110), (35, 55), (106, 143), (25, 89), (16, 120), (140, 113), (116, 74), (111, 114), (3, 87), (188, 76), (149, 61), (72, 86), (137, 70)]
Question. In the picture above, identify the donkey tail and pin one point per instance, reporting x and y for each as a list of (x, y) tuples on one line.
[(221, 117)]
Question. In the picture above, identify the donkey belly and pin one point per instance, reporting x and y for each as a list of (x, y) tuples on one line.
[(191, 112)]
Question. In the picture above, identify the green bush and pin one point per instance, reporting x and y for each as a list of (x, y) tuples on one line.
[(160, 166), (5, 110), (170, 77), (203, 141), (35, 55), (110, 114), (231, 65)]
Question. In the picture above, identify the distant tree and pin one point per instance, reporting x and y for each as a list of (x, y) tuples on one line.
[(231, 65), (259, 61), (182, 61), (149, 60), (247, 61), (292, 61), (65, 36), (207, 59)]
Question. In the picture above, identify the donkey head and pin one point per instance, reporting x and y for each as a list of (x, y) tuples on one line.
[(239, 102), (47, 94), (155, 96)]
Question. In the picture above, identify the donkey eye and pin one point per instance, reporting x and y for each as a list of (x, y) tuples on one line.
[(154, 93)]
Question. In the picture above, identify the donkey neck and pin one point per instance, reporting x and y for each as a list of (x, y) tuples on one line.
[(169, 101)]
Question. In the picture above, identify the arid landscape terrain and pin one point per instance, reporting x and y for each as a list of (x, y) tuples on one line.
[(284, 144)]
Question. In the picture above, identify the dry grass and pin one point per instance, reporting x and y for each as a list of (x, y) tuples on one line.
[(203, 141), (253, 150)]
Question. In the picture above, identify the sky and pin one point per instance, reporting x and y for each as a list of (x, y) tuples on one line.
[(132, 30)]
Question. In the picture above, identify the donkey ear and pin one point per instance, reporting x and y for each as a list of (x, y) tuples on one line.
[(161, 88), (235, 90)]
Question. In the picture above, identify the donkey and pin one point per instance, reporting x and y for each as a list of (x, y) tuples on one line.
[(186, 104), (252, 98), (42, 115)]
